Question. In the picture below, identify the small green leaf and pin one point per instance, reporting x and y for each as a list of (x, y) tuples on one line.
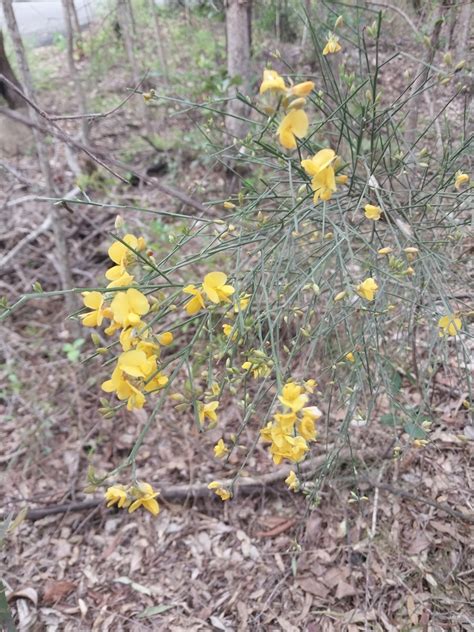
[(388, 420), (414, 431), (154, 610)]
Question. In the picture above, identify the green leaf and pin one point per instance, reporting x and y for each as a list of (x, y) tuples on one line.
[(154, 610), (388, 420), (414, 431), (396, 382)]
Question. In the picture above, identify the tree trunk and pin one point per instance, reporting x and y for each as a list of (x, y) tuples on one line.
[(12, 98), (73, 71), (62, 256), (238, 62), (76, 27), (125, 20), (159, 41), (462, 48)]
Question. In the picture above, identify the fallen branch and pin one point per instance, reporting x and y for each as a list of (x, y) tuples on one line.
[(248, 484)]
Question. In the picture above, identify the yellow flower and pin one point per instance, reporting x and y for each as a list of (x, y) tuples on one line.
[(272, 81), (215, 288), (127, 307), (260, 369), (242, 303), (350, 357), (95, 302), (292, 397), (342, 179), (385, 251), (321, 168), (285, 422), (332, 45), (123, 254), (224, 494), (145, 497), (302, 89), (460, 180), (124, 389), (294, 125), (307, 428), (292, 481), (372, 212), (449, 325), (367, 289), (196, 303), (220, 449), (136, 364), (156, 382), (310, 385), (166, 338), (117, 494), (207, 411)]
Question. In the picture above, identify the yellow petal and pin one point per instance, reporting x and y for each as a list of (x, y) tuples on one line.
[(93, 300)]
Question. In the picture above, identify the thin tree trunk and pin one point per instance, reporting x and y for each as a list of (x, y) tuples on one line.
[(238, 62), (64, 267), (76, 26), (125, 21), (74, 72), (159, 41), (12, 98), (423, 76), (462, 48)]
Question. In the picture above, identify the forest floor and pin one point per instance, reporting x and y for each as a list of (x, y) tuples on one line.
[(398, 558)]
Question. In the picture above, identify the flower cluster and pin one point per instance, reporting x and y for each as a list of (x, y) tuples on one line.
[(136, 371), (291, 430), (132, 497), (295, 123)]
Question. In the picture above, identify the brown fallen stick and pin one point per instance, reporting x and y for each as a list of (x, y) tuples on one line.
[(246, 485)]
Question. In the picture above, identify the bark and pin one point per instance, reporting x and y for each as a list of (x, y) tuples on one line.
[(73, 71), (64, 268), (12, 98), (238, 62), (125, 20), (462, 48), (159, 41), (424, 75)]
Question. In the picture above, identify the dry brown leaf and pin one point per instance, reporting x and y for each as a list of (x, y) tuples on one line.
[(281, 528), (313, 586), (345, 590), (419, 544), (55, 590)]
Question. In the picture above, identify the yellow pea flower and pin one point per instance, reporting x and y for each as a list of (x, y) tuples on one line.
[(136, 364), (385, 251), (342, 179), (350, 357), (340, 296), (119, 385), (310, 385), (145, 497), (122, 254), (215, 288), (292, 397), (292, 481), (321, 168), (224, 494), (307, 428), (196, 303), (117, 494), (294, 125), (242, 303), (95, 302), (460, 180), (332, 44), (220, 449), (157, 381), (207, 411), (449, 325), (367, 289), (372, 212), (302, 89), (121, 279), (127, 307), (272, 81), (166, 338)]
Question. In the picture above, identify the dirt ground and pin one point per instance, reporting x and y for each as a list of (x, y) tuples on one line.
[(392, 552)]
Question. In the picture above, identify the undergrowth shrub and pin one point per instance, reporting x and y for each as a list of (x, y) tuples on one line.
[(328, 293)]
